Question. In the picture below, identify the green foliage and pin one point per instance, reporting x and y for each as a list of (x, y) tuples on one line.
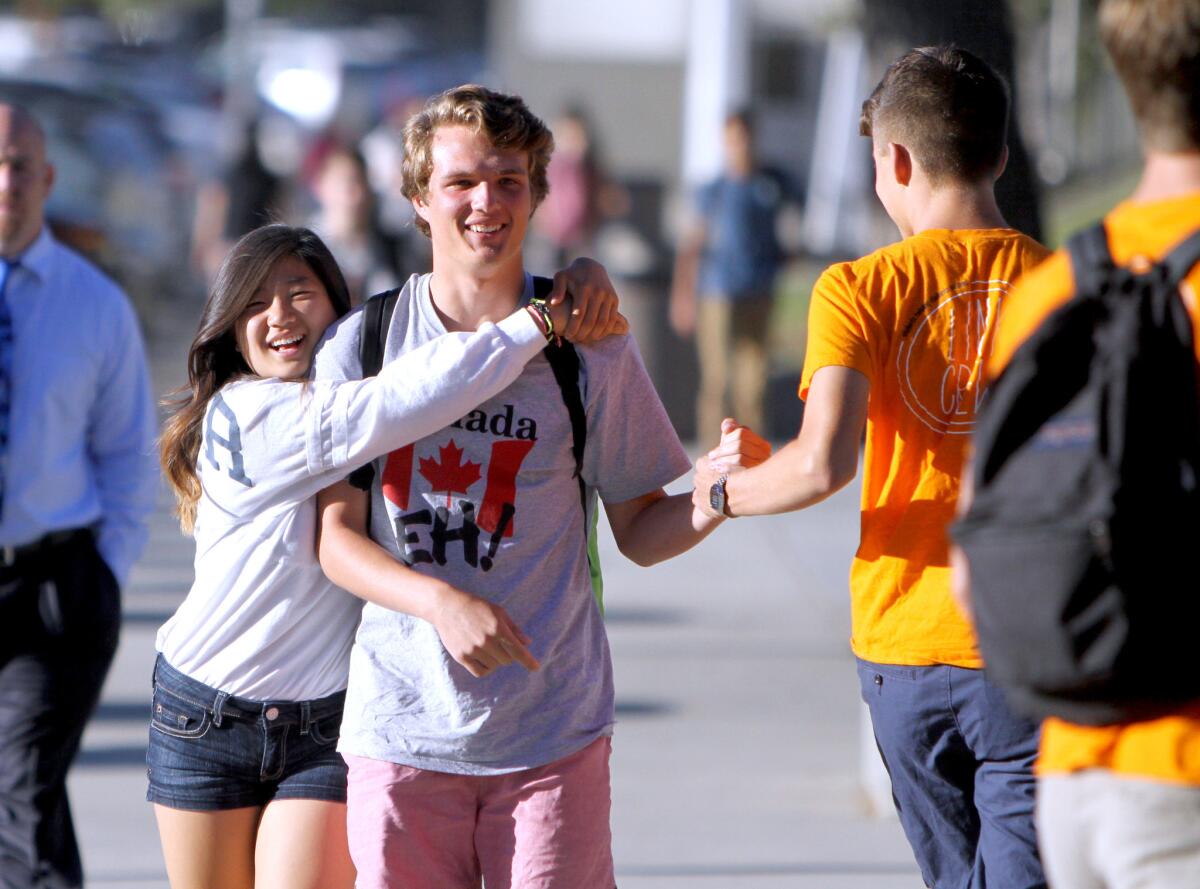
[(116, 11), (1082, 202)]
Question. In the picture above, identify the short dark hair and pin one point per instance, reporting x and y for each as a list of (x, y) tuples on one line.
[(1155, 47), (505, 119), (742, 118), (947, 106)]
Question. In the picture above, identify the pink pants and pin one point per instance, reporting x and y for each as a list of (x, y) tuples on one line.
[(543, 828)]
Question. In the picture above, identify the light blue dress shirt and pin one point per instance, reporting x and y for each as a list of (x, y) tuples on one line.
[(82, 423)]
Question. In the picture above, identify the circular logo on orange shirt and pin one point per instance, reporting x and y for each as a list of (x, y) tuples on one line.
[(942, 351)]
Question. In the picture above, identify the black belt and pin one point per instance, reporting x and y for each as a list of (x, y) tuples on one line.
[(13, 558)]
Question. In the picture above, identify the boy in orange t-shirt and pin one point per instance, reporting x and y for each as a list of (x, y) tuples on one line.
[(896, 341), (1119, 806)]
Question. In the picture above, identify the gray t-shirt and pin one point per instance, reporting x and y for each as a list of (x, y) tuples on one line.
[(490, 504)]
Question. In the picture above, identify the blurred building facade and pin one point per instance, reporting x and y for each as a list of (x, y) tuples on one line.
[(657, 80), (142, 100)]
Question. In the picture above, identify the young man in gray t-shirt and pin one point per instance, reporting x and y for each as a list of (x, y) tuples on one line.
[(479, 709)]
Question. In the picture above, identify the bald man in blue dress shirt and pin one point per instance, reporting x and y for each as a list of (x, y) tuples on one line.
[(77, 483)]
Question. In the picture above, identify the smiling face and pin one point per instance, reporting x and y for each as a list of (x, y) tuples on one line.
[(281, 326), (478, 202)]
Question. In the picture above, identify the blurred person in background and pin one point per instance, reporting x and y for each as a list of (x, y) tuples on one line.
[(383, 149), (347, 222), (576, 204), (245, 196), (724, 282), (77, 485)]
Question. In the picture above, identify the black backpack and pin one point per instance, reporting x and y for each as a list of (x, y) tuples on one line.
[(564, 362), (1086, 511)]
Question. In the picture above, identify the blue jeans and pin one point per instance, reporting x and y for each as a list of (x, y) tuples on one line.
[(961, 764), (209, 750)]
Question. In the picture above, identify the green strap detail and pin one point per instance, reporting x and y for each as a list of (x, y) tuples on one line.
[(593, 551)]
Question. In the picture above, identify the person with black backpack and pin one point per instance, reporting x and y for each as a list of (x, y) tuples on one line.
[(478, 724), (1080, 530)]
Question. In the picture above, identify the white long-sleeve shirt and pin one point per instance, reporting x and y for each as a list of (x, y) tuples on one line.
[(81, 423), (261, 620)]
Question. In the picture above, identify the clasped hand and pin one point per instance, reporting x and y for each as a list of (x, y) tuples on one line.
[(740, 448)]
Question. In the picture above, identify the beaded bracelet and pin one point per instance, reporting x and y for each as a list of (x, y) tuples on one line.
[(541, 311)]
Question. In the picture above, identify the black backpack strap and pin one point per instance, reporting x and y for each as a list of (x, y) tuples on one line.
[(376, 319), (1091, 262), (564, 361), (542, 286), (1182, 258)]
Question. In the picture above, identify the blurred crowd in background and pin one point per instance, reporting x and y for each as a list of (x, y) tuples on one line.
[(177, 126)]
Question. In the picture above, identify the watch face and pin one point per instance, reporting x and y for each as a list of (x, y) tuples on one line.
[(716, 495)]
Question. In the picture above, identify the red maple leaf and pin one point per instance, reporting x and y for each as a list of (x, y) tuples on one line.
[(449, 474)]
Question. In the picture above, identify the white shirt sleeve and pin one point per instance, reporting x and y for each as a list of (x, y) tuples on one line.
[(271, 442), (417, 393)]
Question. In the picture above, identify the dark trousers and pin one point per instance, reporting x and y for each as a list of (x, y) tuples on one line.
[(961, 764), (60, 615)]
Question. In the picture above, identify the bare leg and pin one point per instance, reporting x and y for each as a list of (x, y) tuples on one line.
[(208, 850), (302, 845)]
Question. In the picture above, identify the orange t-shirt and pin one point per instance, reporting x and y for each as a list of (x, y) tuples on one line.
[(1166, 749), (915, 318)]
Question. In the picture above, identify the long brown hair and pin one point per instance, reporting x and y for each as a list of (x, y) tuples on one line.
[(214, 360)]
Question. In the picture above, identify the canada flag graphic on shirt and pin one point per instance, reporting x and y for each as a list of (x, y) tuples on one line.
[(449, 502), (449, 473)]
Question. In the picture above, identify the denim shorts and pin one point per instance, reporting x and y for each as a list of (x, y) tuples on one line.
[(210, 750)]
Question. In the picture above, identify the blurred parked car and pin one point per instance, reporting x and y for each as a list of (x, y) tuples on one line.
[(123, 195)]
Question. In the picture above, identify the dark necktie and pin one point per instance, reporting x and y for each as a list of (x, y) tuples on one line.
[(6, 361)]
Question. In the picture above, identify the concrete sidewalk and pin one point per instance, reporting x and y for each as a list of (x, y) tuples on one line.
[(736, 756)]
